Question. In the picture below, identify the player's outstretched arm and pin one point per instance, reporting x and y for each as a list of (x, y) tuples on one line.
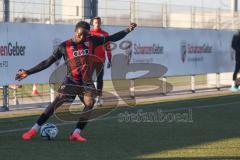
[(41, 66), (115, 37), (120, 35)]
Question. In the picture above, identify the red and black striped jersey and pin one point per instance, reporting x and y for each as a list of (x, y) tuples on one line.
[(79, 57)]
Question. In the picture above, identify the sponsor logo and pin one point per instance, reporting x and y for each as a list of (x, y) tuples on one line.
[(146, 50), (187, 49), (127, 47), (3, 64), (79, 53), (12, 49)]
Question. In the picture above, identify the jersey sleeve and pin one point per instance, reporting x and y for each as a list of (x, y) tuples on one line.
[(58, 52), (108, 49), (112, 38)]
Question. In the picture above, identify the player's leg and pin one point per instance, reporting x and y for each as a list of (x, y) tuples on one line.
[(65, 95), (88, 100), (59, 100), (100, 86), (236, 71)]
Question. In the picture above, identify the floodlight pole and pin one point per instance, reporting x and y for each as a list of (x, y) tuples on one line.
[(6, 12), (94, 8), (234, 6), (234, 10), (90, 9)]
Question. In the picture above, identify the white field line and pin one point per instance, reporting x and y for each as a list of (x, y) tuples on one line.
[(23, 129), (113, 117)]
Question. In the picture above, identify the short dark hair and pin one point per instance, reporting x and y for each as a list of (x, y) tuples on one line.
[(82, 24)]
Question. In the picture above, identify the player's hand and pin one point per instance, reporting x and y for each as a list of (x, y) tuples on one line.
[(132, 26), (109, 65), (21, 75)]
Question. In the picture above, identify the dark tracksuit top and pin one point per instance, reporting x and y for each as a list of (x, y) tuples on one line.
[(236, 46)]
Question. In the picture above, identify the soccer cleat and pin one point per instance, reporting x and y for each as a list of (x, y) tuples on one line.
[(29, 134), (99, 101), (234, 89), (77, 137)]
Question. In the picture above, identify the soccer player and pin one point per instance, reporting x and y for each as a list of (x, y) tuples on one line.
[(236, 47), (100, 53), (76, 53)]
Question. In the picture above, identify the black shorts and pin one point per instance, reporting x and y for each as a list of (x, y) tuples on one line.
[(80, 88)]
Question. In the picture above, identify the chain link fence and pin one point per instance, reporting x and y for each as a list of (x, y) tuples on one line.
[(144, 13)]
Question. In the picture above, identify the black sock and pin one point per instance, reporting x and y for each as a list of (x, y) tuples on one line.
[(42, 119), (81, 125)]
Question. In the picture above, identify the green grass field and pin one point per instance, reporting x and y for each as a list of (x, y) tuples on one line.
[(212, 132)]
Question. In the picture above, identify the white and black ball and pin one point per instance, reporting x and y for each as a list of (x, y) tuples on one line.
[(49, 131)]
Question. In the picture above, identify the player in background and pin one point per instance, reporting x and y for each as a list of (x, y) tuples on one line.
[(100, 52), (78, 55), (236, 47)]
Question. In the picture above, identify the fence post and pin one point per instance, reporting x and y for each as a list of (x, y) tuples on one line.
[(52, 92), (165, 15), (52, 11), (193, 84), (162, 15), (132, 11), (164, 80), (218, 19), (5, 106), (193, 17), (15, 100), (218, 83), (132, 88)]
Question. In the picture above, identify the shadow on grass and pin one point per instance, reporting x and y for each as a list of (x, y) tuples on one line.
[(195, 158)]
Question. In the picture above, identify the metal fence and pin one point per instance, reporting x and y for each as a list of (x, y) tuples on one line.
[(144, 13), (23, 97)]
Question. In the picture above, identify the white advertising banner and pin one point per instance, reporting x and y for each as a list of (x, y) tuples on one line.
[(180, 51), (26, 45)]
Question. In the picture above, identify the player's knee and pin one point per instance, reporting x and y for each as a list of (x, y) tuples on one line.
[(88, 101)]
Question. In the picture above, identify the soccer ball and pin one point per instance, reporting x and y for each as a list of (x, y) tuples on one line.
[(49, 131)]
